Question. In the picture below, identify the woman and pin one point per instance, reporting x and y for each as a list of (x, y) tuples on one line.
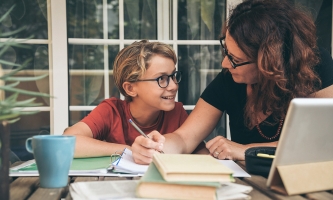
[(270, 57), (145, 74)]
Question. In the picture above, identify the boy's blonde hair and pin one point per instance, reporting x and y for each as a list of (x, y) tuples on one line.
[(133, 61)]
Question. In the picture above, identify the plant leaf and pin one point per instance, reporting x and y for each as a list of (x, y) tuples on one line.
[(8, 63), (6, 14), (20, 67), (9, 116), (26, 78), (12, 84), (31, 93)]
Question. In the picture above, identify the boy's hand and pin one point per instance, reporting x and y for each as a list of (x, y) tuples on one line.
[(143, 148)]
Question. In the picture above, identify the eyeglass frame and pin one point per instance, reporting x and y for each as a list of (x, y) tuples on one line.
[(168, 80), (230, 58)]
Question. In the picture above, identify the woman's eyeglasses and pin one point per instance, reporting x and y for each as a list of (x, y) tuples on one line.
[(230, 58), (163, 81)]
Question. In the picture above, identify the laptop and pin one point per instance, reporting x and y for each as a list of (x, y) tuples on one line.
[(306, 137)]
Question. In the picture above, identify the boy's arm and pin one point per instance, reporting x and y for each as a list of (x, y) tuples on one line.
[(87, 146)]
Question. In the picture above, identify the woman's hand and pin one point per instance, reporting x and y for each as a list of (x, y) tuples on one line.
[(222, 148), (143, 148)]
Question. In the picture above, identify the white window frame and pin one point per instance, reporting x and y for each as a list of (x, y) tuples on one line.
[(58, 50)]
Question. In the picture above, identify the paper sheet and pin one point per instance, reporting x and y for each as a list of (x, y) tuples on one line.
[(125, 189), (127, 165), (238, 171)]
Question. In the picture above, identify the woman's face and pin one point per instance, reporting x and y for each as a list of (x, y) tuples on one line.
[(248, 73)]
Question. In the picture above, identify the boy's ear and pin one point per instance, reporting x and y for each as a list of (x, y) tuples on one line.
[(129, 89)]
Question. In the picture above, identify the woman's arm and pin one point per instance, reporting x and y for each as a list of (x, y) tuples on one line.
[(222, 148), (185, 139), (87, 146)]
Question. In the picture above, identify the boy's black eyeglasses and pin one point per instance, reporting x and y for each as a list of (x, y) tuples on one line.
[(163, 81), (231, 59)]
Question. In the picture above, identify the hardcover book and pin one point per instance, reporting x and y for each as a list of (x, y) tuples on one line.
[(152, 185), (192, 167)]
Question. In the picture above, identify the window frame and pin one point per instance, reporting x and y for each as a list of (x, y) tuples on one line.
[(58, 52)]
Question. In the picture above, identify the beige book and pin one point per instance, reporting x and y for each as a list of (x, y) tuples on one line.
[(152, 185), (192, 167)]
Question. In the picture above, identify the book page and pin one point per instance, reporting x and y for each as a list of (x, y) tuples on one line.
[(125, 189), (238, 171), (126, 164)]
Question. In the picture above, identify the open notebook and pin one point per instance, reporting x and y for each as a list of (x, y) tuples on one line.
[(102, 166), (126, 164), (97, 166)]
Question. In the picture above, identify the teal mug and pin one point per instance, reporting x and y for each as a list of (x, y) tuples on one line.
[(53, 155)]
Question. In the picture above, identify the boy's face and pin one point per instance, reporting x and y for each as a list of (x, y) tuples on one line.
[(149, 93)]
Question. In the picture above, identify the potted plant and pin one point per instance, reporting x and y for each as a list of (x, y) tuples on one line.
[(11, 108)]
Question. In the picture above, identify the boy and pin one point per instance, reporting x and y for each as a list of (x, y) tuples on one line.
[(146, 76)]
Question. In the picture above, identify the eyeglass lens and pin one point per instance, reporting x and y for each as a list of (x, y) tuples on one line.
[(230, 58), (163, 81)]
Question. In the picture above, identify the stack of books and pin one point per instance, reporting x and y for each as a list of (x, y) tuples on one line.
[(183, 176)]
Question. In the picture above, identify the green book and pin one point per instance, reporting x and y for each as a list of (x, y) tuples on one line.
[(79, 166), (152, 185)]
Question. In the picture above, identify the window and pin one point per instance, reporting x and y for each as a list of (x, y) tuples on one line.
[(75, 42), (98, 30)]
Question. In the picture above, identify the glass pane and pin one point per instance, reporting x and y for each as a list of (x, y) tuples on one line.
[(28, 126), (76, 116), (113, 90), (140, 19), (86, 64), (199, 65), (113, 19), (31, 14), (113, 51), (200, 19), (85, 19), (38, 65)]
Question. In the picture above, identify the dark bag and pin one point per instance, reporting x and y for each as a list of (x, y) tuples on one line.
[(259, 165)]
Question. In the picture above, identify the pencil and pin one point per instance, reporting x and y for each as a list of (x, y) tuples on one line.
[(140, 131)]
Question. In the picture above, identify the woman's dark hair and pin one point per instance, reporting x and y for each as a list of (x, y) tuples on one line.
[(282, 41)]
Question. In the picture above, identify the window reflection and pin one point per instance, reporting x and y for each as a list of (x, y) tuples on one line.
[(31, 14), (28, 126), (38, 65), (140, 19), (199, 65), (76, 116), (86, 64), (85, 19), (200, 19)]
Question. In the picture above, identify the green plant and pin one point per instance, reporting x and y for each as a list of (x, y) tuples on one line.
[(11, 108)]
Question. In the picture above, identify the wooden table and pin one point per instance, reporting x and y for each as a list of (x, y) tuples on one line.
[(28, 188)]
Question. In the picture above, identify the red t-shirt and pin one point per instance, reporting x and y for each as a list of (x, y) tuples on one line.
[(109, 121)]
